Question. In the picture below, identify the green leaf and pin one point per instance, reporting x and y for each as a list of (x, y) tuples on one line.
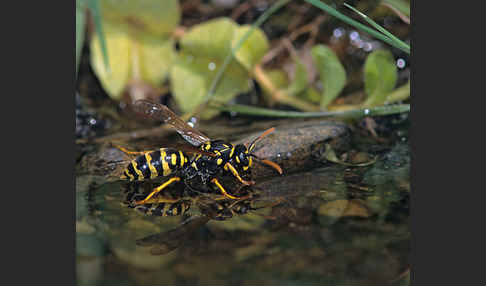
[(278, 78), (137, 36), (94, 7), (154, 17), (80, 20), (191, 77), (253, 49), (311, 94), (119, 45), (299, 83), (331, 71), (157, 55), (380, 75), (203, 50), (400, 5), (211, 39)]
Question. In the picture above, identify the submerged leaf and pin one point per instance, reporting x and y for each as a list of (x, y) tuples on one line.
[(380, 75), (331, 71)]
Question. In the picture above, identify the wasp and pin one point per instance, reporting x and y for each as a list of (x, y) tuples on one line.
[(205, 160)]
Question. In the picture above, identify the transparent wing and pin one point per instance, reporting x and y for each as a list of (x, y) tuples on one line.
[(163, 113)]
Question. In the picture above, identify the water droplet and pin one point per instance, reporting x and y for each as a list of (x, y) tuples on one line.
[(367, 47), (400, 63), (211, 66), (354, 36), (338, 32)]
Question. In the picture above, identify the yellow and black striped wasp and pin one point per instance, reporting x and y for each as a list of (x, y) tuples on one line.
[(206, 161)]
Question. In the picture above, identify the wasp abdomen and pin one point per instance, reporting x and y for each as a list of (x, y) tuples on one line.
[(162, 162)]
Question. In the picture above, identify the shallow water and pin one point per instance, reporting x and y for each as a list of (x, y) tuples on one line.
[(332, 224)]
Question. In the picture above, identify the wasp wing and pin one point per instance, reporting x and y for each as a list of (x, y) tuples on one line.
[(163, 113)]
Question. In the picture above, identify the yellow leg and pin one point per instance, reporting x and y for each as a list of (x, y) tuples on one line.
[(158, 189), (223, 191), (233, 171)]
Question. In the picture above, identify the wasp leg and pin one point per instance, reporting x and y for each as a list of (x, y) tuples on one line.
[(223, 191), (235, 173), (158, 189), (130, 152)]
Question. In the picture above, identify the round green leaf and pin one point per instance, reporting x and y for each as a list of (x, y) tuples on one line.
[(191, 78), (253, 48), (119, 49), (144, 16), (203, 50), (156, 56), (147, 58), (278, 78), (380, 75), (211, 39), (299, 83), (332, 73)]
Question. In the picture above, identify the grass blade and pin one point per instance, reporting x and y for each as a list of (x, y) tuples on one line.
[(95, 9), (356, 113), (379, 28), (80, 21), (358, 25)]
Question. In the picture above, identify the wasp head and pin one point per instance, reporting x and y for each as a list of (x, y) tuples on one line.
[(243, 154)]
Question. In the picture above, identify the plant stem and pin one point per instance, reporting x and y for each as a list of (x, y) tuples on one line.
[(280, 95)]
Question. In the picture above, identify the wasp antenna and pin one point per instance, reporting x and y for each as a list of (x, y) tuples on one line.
[(268, 131)]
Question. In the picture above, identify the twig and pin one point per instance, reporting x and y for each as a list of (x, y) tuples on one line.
[(312, 28), (125, 136), (238, 11), (280, 95)]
